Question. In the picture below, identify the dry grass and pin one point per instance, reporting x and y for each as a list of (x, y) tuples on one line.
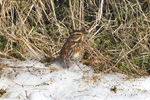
[(118, 38)]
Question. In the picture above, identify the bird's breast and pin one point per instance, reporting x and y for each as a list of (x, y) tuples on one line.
[(76, 55)]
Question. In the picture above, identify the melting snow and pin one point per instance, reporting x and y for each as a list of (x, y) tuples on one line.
[(41, 83)]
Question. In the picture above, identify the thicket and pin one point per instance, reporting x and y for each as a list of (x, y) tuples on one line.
[(118, 38)]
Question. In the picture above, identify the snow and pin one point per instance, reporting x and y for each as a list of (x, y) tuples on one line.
[(41, 83)]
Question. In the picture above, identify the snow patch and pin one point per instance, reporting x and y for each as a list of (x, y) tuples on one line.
[(42, 83)]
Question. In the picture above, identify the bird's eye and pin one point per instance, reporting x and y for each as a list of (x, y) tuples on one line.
[(78, 34)]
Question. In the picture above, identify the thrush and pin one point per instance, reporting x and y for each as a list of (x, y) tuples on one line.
[(73, 48)]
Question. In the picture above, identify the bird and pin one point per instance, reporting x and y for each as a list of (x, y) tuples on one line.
[(73, 49)]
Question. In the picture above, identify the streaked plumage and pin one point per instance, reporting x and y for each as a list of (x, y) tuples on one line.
[(73, 49)]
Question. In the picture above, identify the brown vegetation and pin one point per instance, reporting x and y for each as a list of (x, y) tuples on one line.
[(118, 38)]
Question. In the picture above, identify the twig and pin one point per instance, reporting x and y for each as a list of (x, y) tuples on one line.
[(72, 14), (7, 66), (96, 32), (99, 16)]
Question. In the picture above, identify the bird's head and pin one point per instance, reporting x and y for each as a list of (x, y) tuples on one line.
[(77, 36)]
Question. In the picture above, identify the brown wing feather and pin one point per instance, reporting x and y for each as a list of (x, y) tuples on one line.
[(64, 50)]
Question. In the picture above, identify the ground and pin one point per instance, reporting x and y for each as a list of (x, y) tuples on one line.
[(43, 83)]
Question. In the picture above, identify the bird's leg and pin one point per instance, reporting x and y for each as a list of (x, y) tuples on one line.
[(66, 64), (79, 66)]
